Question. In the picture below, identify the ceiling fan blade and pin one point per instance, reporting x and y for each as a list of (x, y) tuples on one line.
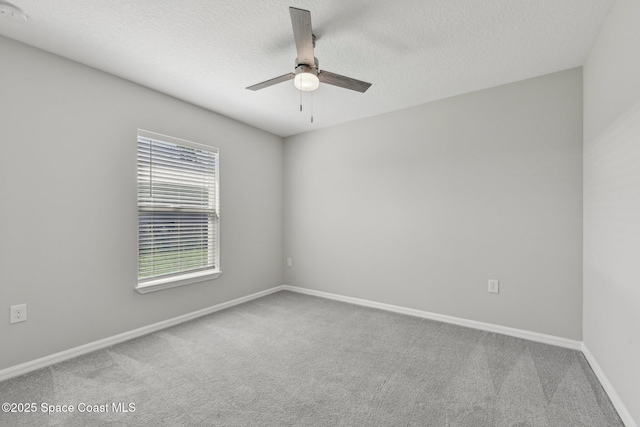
[(303, 35), (272, 82), (342, 81)]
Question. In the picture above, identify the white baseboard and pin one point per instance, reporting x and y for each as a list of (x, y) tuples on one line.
[(43, 362), (613, 396), (519, 333)]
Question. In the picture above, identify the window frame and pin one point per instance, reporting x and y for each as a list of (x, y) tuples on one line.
[(180, 279)]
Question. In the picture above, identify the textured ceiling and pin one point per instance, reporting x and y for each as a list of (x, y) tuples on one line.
[(413, 51)]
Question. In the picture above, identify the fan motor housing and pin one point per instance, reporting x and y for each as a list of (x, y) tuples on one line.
[(306, 68), (303, 68)]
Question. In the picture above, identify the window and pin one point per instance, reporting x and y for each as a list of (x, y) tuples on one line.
[(178, 218)]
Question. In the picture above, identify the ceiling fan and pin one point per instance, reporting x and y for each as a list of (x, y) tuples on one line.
[(307, 75)]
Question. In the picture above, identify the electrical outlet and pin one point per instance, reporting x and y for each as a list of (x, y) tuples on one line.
[(289, 262), (494, 286), (18, 313)]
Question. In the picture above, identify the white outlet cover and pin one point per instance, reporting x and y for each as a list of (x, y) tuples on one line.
[(18, 313), (494, 286)]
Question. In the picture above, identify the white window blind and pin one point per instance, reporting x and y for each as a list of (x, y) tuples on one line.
[(177, 207)]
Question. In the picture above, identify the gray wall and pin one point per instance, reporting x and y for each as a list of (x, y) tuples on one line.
[(612, 202), (68, 204), (419, 208)]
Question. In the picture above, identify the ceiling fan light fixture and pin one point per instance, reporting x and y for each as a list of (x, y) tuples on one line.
[(306, 81), (307, 74)]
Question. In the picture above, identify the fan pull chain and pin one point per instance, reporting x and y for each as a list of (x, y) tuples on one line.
[(300, 90), (311, 107)]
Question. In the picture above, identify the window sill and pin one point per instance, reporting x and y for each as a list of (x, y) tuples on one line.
[(172, 282)]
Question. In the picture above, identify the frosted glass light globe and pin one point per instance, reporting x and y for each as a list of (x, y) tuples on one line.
[(306, 81)]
